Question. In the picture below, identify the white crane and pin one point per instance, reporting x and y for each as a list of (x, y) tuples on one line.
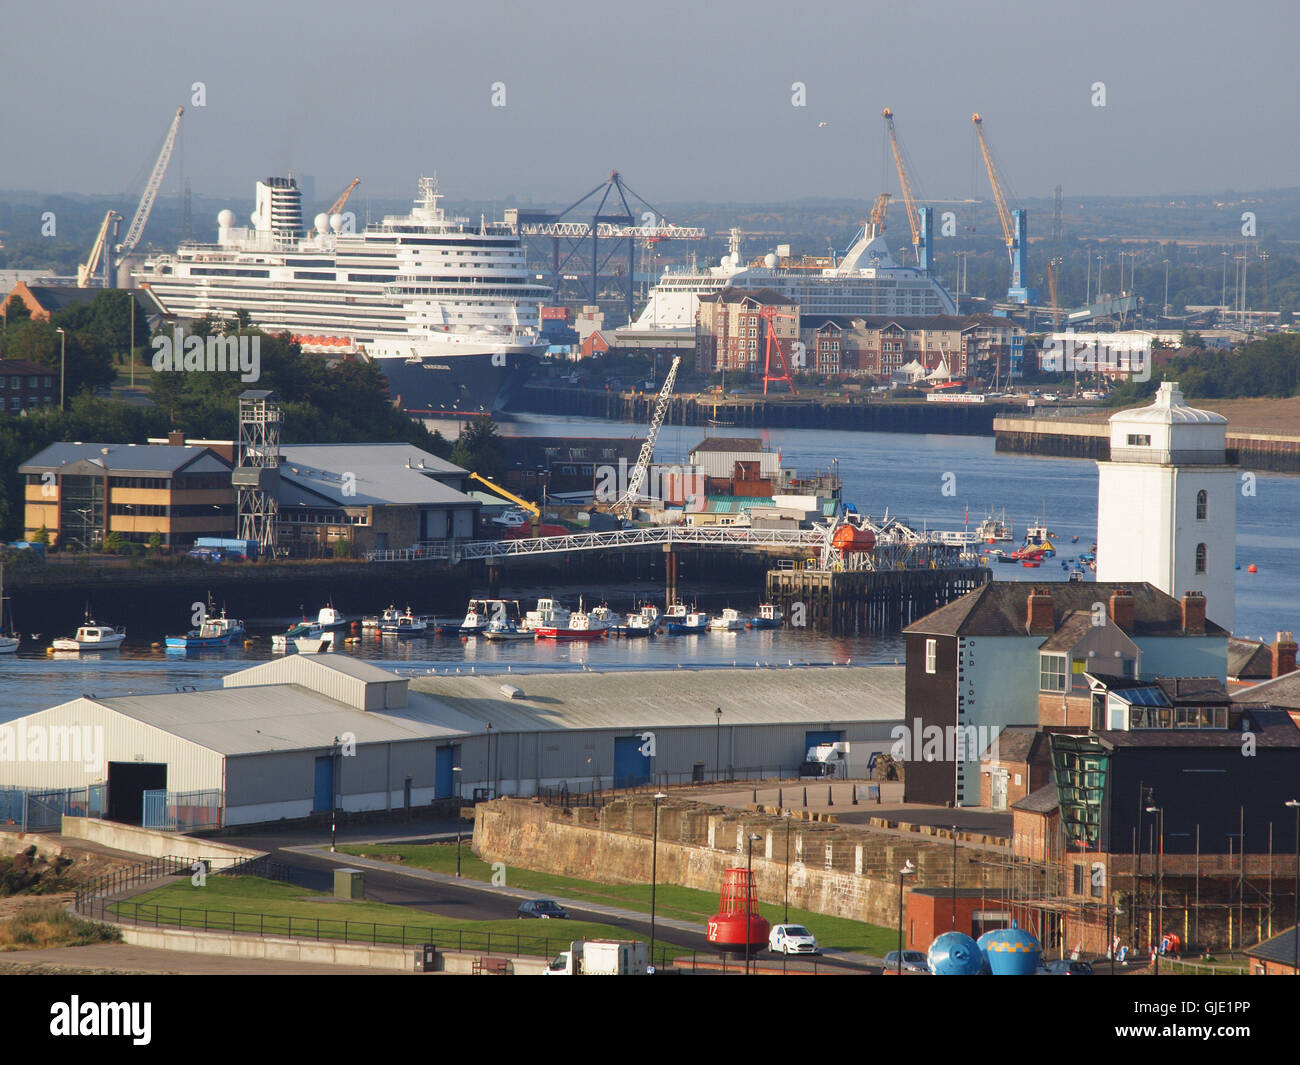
[(86, 271), (626, 505), (136, 230)]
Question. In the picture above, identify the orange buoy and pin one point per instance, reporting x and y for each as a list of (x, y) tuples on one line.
[(1252, 568)]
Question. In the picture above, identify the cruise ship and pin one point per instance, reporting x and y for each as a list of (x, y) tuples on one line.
[(445, 306), (866, 281)]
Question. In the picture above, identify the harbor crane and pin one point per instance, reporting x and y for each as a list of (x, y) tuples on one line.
[(532, 509), (625, 507), (1014, 223), (918, 218), (337, 206), (136, 230), (772, 343), (87, 271)]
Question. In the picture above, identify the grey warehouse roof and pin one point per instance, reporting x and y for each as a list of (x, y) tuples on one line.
[(124, 458), (384, 474)]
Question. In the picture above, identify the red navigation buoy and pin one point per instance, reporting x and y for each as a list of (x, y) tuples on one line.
[(1252, 568), (739, 907)]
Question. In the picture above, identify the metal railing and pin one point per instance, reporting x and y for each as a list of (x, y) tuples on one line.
[(42, 810)]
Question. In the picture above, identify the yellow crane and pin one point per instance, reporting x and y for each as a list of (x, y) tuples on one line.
[(904, 181), (86, 271), (340, 203), (532, 508), (999, 196), (878, 212)]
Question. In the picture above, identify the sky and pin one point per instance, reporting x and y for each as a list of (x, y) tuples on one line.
[(689, 101)]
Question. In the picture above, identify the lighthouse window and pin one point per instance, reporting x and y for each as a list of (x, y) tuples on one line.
[(1202, 504), (1139, 440), (1200, 558), (931, 655)]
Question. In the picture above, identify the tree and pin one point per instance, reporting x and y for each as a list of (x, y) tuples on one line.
[(479, 448), (89, 362), (42, 536), (155, 542), (114, 542)]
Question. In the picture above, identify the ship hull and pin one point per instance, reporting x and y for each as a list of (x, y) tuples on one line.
[(479, 383)]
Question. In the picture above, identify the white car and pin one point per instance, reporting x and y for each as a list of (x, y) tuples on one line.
[(792, 939)]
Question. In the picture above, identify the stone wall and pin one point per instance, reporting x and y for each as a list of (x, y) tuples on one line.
[(834, 869)]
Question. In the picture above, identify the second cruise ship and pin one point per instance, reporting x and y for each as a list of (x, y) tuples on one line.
[(445, 306)]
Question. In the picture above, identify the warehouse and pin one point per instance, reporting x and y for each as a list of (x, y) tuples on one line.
[(298, 735)]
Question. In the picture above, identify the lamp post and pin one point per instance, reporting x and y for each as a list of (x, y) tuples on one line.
[(1166, 303), (1113, 913), (717, 747), (63, 351), (460, 794), (749, 891), (1295, 906), (1160, 882), (490, 794), (954, 878), (334, 791), (788, 822), (654, 871), (907, 870)]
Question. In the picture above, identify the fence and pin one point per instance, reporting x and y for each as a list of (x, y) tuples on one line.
[(43, 810), (595, 794), (182, 810)]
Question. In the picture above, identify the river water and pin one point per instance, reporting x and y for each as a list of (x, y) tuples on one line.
[(939, 481)]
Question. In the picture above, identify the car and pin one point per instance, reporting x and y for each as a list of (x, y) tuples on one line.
[(913, 961), (1065, 967), (792, 939), (544, 909)]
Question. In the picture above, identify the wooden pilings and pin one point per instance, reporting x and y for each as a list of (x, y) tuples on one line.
[(852, 602)]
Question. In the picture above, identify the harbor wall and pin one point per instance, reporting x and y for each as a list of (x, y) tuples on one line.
[(834, 869)]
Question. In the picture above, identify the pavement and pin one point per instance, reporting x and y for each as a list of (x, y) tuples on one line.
[(123, 959)]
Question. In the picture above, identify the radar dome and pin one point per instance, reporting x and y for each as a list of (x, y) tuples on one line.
[(725, 261), (321, 222), (769, 260), (336, 223), (226, 219)]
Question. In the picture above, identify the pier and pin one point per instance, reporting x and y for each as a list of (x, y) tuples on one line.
[(850, 602)]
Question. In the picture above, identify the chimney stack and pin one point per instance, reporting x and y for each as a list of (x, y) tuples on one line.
[(1121, 609), (1039, 620), (176, 438), (1194, 613), (1284, 650)]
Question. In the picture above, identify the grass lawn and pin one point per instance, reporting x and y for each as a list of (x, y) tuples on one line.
[(686, 904), (269, 907)]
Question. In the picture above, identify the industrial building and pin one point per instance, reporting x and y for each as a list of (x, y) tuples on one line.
[(301, 734)]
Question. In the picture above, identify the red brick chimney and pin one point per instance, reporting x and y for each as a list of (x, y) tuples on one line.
[(1194, 613), (1121, 609), (176, 438), (1039, 620), (1284, 649)]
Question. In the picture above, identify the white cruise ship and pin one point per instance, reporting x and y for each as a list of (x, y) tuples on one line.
[(445, 306), (866, 281)]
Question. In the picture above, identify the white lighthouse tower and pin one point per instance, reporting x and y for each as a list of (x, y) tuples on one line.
[(1167, 503)]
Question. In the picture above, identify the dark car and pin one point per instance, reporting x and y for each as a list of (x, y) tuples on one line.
[(1066, 967), (543, 908)]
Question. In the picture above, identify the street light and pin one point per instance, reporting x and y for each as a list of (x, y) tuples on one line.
[(63, 351), (334, 790), (749, 892), (1160, 882), (789, 820), (907, 870), (717, 752), (1112, 915), (1166, 306), (1295, 906), (654, 871)]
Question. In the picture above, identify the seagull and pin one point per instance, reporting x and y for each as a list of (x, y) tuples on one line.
[(821, 124)]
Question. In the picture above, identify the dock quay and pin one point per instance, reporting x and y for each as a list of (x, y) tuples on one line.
[(1077, 438), (849, 602)]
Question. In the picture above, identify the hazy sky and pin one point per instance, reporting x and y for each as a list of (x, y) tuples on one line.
[(689, 100)]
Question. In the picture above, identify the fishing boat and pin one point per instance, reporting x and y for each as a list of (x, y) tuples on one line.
[(728, 621), (480, 613), (548, 613), (404, 623), (640, 624), (579, 625), (676, 612), (233, 627), (320, 640), (769, 617), (694, 621), (611, 618), (209, 635), (328, 618), (92, 637), (281, 640), (651, 613), (506, 629), (996, 528), (8, 644)]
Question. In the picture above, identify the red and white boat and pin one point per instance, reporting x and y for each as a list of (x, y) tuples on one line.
[(578, 626)]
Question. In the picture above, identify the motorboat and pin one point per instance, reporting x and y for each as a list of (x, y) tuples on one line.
[(579, 625), (996, 528), (208, 636), (728, 621), (477, 617), (320, 640), (769, 617), (329, 618), (405, 623), (505, 629), (548, 613), (611, 619), (694, 621), (92, 637), (640, 625)]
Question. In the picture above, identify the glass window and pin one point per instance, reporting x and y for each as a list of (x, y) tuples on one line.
[(1051, 673), (1202, 504), (1200, 558), (931, 655)]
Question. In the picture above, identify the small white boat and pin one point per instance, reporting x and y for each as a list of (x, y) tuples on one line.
[(604, 614), (693, 621), (92, 637), (401, 623), (728, 621), (641, 625), (329, 618), (477, 617), (505, 629), (323, 640), (995, 529), (651, 613), (548, 613)]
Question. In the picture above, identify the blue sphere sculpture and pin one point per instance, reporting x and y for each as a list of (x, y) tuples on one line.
[(954, 954)]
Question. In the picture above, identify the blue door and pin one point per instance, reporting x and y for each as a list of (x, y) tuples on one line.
[(324, 784), (443, 784), (631, 767)]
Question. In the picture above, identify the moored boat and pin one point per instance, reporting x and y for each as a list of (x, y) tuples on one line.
[(92, 637), (8, 644), (728, 621), (207, 636), (506, 629), (402, 623), (769, 617), (694, 621), (579, 625)]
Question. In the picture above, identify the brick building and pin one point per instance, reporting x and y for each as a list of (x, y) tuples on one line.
[(26, 386), (971, 346), (731, 330)]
